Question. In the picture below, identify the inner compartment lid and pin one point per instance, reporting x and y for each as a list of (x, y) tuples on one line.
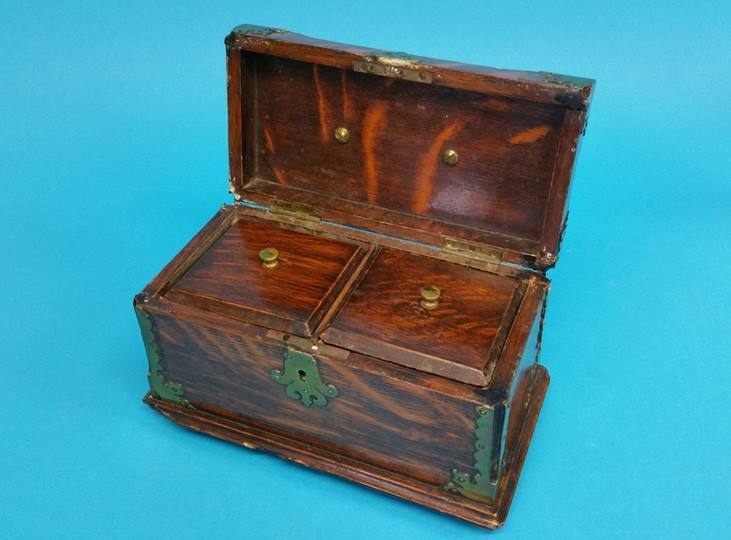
[(386, 140), (460, 335), (291, 295)]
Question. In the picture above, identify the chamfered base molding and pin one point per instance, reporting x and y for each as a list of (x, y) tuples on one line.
[(258, 437)]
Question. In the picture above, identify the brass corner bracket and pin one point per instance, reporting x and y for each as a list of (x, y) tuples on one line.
[(481, 486), (160, 388)]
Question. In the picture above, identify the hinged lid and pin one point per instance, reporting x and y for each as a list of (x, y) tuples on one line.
[(413, 147)]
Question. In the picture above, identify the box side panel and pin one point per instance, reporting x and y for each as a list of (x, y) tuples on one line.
[(526, 391), (528, 358)]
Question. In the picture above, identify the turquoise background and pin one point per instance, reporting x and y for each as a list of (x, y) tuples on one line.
[(113, 154)]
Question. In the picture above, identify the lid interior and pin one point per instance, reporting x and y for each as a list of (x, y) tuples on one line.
[(512, 163)]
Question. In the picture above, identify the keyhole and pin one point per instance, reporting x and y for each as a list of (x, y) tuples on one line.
[(302, 375)]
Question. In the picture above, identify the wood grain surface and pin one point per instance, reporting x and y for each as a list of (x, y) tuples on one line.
[(384, 317), (347, 287), (389, 422), (230, 276), (516, 134), (255, 437), (400, 430), (539, 86), (398, 133)]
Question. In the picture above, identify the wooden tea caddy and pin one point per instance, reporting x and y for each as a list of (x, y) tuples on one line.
[(372, 304)]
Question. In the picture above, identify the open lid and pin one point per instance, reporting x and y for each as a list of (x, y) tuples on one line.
[(413, 147)]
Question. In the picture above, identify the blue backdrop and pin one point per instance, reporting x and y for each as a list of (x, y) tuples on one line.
[(113, 154)]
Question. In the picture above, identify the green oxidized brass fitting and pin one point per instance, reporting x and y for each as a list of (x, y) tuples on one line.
[(478, 487), (159, 386), (302, 380)]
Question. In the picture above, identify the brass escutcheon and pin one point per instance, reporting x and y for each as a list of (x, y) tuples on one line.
[(430, 296), (342, 135), (450, 157), (269, 257)]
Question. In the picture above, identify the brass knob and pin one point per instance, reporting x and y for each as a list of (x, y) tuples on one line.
[(430, 296), (269, 257), (342, 135), (450, 157)]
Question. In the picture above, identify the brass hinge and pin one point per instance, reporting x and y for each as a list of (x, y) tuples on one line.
[(297, 213), (472, 254), (396, 70)]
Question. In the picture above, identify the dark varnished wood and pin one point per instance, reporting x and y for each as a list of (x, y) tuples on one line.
[(378, 419), (216, 226), (256, 437), (516, 147), (234, 65), (409, 429), (459, 339), (557, 214), (497, 392), (398, 132), (524, 336), (346, 291), (230, 277), (390, 225), (391, 428), (541, 86)]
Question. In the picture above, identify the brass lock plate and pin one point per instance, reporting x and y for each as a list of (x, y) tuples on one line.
[(302, 381)]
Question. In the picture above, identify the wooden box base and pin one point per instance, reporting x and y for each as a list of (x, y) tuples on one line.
[(258, 437)]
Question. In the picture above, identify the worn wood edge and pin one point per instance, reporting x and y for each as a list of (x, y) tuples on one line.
[(571, 132), (430, 496), (501, 337), (392, 353), (350, 271), (542, 87), (190, 253), (518, 453), (238, 311), (528, 311), (234, 80), (349, 286), (353, 216)]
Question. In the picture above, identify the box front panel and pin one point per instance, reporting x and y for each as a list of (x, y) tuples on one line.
[(392, 423)]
